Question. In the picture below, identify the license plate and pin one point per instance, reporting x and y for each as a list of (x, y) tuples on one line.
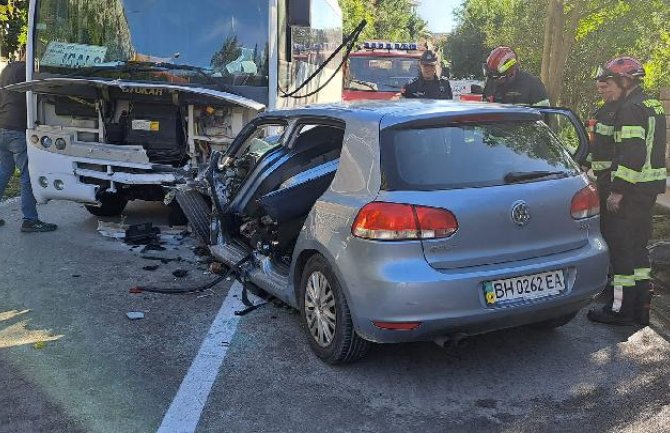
[(524, 288)]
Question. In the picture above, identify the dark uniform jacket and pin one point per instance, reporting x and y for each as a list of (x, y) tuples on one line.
[(13, 104), (439, 88), (522, 89), (638, 163), (601, 145)]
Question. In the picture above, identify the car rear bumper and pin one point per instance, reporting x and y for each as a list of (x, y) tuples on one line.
[(450, 302)]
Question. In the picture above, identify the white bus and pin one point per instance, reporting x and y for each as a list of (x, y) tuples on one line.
[(128, 98)]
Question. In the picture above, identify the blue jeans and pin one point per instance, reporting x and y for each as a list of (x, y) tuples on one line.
[(14, 154)]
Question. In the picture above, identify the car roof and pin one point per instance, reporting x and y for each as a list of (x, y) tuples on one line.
[(390, 113)]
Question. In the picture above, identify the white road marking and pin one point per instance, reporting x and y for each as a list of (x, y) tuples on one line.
[(184, 413)]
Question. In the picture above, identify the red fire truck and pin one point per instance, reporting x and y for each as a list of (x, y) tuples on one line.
[(379, 70)]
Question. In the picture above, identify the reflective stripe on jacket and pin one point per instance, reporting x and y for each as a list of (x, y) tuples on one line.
[(638, 165)]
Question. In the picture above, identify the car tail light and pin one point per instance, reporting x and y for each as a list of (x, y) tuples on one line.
[(585, 203), (393, 221)]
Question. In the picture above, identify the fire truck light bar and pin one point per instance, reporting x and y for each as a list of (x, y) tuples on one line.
[(388, 46)]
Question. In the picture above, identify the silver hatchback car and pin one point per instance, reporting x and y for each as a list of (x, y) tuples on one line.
[(409, 221)]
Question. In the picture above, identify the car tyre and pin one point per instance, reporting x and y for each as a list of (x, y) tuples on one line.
[(111, 205), (326, 316), (556, 322)]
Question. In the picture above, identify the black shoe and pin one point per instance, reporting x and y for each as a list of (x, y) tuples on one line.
[(2, 222), (37, 226), (607, 316)]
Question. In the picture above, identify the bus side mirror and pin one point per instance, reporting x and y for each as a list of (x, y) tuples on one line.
[(298, 13)]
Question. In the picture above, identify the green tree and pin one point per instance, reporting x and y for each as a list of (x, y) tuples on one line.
[(13, 30), (563, 41), (354, 11)]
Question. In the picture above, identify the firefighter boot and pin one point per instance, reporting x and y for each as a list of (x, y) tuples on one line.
[(644, 294), (608, 316)]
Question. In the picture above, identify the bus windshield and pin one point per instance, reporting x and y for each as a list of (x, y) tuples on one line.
[(381, 74), (222, 40)]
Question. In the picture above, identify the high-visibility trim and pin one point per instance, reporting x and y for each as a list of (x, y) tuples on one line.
[(623, 281), (542, 103), (617, 302), (505, 66), (651, 133), (646, 175), (627, 132), (655, 105), (606, 130), (642, 274), (601, 165)]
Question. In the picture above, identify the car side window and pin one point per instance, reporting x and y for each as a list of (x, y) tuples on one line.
[(265, 138), (311, 135)]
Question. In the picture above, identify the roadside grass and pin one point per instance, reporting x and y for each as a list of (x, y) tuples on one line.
[(13, 188)]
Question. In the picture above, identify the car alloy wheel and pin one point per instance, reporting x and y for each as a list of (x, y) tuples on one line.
[(320, 309)]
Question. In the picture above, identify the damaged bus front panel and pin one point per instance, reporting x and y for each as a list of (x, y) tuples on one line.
[(130, 102)]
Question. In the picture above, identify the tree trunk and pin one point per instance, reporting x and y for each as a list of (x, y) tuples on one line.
[(556, 47), (566, 45), (559, 37), (548, 40)]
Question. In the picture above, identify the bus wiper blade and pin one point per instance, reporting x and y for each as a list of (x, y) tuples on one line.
[(527, 176)]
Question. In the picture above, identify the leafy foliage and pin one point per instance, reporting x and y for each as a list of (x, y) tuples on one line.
[(604, 29), (13, 26), (394, 20)]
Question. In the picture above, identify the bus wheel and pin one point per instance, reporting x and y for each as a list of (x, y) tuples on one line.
[(110, 205)]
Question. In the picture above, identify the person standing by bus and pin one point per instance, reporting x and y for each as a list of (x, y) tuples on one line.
[(13, 147)]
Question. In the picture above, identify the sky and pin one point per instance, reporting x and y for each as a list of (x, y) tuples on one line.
[(439, 14)]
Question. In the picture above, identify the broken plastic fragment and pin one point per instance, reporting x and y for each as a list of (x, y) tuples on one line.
[(135, 315)]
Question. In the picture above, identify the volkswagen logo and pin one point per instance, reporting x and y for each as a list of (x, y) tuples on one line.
[(520, 213)]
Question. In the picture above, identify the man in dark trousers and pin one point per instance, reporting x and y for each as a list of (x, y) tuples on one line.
[(638, 176), (13, 149), (506, 83), (428, 85)]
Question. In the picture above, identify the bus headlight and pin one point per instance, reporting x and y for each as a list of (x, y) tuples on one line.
[(60, 143), (46, 141), (34, 139)]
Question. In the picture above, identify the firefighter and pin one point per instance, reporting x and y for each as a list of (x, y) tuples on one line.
[(428, 85), (506, 83), (601, 150), (638, 175)]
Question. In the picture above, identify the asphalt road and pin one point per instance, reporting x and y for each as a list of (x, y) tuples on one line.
[(71, 361)]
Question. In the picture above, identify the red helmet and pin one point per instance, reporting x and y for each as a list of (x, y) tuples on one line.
[(502, 61), (621, 67)]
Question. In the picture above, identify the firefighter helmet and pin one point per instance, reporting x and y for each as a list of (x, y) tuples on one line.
[(501, 62), (621, 67)]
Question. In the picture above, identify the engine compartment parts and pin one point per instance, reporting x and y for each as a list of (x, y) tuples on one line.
[(159, 129)]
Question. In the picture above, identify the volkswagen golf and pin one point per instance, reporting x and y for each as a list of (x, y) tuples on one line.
[(411, 220)]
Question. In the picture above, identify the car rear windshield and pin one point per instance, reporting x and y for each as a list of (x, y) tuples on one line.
[(470, 155)]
